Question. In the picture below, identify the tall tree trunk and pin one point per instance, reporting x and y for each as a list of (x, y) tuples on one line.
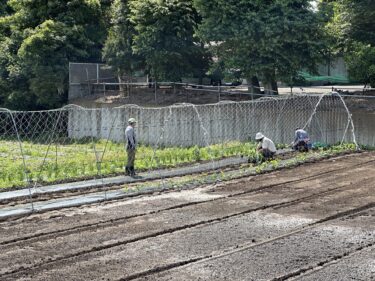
[(270, 84), (253, 85), (200, 82), (121, 87)]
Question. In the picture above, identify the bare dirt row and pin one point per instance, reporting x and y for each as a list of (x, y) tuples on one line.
[(282, 225), (74, 219)]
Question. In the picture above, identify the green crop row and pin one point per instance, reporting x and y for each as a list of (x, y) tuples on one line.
[(40, 163), (244, 170)]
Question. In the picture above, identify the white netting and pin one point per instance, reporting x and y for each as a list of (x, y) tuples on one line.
[(75, 143)]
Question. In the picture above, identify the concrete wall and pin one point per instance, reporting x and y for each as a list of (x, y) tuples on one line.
[(337, 68), (188, 125)]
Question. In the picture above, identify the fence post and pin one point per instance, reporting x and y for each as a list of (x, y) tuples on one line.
[(155, 90), (97, 73)]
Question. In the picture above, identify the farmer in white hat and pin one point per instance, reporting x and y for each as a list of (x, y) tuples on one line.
[(131, 145), (266, 146)]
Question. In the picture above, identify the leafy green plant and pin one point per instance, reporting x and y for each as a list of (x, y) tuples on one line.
[(77, 160)]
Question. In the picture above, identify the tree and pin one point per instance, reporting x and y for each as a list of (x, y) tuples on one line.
[(41, 38), (118, 48), (351, 33), (268, 39), (361, 16), (4, 8), (360, 57), (45, 55), (361, 63), (165, 37)]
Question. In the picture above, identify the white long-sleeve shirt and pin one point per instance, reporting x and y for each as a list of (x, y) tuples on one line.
[(131, 141), (267, 144)]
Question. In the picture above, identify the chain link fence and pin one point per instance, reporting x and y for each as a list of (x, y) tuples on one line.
[(75, 143), (84, 76)]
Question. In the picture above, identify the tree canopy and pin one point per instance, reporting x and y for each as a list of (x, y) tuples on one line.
[(165, 36), (350, 28), (118, 48), (41, 37), (268, 40)]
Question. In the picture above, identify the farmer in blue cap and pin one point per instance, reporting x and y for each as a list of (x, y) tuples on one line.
[(301, 140)]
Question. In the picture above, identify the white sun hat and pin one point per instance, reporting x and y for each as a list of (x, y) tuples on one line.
[(259, 136), (132, 120)]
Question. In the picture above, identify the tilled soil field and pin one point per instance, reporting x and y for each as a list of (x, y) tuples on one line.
[(312, 222)]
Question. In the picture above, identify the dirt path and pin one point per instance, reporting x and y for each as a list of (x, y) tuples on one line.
[(287, 224)]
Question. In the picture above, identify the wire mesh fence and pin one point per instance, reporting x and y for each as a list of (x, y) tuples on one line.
[(75, 143)]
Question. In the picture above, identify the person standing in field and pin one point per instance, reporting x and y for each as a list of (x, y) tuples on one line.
[(266, 146), (131, 146)]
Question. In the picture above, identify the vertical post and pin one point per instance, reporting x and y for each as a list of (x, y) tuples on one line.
[(88, 81), (56, 158), (155, 90), (219, 92), (97, 73), (103, 88), (70, 81)]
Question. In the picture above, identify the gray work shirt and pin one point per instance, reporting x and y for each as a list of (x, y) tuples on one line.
[(131, 142)]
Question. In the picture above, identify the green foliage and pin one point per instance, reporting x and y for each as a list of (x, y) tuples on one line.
[(349, 31), (117, 51), (271, 39), (4, 8), (39, 42), (171, 39), (361, 64), (165, 37), (360, 14), (81, 159)]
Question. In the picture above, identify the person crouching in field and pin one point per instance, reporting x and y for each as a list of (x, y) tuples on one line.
[(131, 145), (301, 140), (266, 146)]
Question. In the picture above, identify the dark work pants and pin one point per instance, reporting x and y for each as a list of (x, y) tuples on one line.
[(131, 157), (267, 154)]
